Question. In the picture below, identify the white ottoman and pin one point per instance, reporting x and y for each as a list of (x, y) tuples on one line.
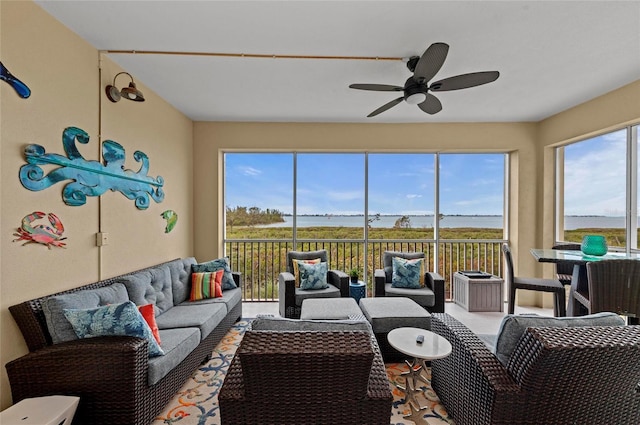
[(50, 410)]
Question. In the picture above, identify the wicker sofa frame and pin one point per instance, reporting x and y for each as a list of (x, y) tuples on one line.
[(109, 374), (584, 376), (300, 396)]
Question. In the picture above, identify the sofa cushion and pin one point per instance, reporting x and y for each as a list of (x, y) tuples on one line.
[(230, 298), (206, 285), (187, 315), (112, 320), (180, 270), (59, 327), (215, 265), (151, 286), (177, 344), (149, 315), (513, 327)]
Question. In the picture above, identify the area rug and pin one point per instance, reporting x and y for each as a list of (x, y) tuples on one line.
[(197, 402)]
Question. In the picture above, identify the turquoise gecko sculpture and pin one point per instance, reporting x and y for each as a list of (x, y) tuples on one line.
[(91, 178)]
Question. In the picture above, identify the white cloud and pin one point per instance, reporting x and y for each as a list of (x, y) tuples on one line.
[(413, 196), (249, 171)]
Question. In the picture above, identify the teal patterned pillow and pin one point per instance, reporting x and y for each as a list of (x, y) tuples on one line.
[(406, 273), (114, 319), (214, 266), (313, 276)]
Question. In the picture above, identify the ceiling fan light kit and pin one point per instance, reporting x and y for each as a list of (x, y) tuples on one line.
[(130, 93), (416, 89)]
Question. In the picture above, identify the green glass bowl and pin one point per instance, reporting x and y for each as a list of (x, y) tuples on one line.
[(594, 245)]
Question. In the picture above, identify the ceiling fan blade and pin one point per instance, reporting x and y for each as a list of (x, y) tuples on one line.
[(465, 81), (430, 62), (375, 87), (431, 105), (386, 106)]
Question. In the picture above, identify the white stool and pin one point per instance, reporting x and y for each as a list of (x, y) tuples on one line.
[(50, 410)]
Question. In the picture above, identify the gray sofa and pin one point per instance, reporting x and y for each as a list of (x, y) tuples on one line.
[(116, 380)]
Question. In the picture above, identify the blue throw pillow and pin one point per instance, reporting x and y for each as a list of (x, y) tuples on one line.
[(214, 266), (406, 273), (110, 320), (313, 276)]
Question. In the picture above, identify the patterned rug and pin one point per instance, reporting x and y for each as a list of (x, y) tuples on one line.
[(197, 402)]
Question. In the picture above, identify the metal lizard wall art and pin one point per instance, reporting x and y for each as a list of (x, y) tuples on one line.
[(20, 87), (91, 178)]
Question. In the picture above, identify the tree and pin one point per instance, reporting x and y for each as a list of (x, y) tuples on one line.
[(372, 219), (403, 222)]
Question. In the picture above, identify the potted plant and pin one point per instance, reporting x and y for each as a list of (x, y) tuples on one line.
[(354, 274)]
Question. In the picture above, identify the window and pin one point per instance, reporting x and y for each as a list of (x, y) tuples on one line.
[(358, 205), (597, 183)]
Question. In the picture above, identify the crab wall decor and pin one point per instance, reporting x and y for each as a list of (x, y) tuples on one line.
[(90, 178), (49, 235)]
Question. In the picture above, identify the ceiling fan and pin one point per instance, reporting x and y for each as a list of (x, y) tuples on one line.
[(416, 89)]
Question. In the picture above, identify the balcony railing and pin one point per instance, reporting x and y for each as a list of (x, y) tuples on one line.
[(260, 261)]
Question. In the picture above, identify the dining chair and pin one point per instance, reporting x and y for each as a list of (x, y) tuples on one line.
[(614, 285), (564, 271), (532, 284)]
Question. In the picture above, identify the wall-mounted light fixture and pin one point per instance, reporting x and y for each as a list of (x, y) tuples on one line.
[(130, 92)]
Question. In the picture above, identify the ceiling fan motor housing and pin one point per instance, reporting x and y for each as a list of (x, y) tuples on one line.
[(414, 92)]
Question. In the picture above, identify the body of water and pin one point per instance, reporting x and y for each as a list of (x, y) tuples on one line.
[(422, 221)]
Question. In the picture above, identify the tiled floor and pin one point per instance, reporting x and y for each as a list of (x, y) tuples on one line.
[(478, 322)]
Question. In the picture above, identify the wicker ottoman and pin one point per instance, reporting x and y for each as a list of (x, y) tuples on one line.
[(388, 313), (330, 309)]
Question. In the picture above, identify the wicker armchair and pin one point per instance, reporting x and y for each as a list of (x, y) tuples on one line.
[(588, 375), (431, 297), (290, 297), (312, 377), (614, 285)]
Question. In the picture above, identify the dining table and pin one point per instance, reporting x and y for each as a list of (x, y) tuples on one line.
[(579, 280)]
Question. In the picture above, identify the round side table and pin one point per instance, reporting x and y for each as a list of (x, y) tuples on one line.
[(433, 347), (357, 290)]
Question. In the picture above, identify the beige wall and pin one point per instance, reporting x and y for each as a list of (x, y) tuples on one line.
[(63, 73)]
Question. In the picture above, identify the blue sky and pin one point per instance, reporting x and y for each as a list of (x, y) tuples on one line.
[(595, 172), (398, 183)]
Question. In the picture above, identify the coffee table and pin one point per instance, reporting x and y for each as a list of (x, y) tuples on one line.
[(433, 347)]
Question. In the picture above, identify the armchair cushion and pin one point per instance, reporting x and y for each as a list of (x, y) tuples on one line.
[(513, 327), (215, 265), (407, 273), (328, 292), (304, 255), (313, 276), (387, 262), (423, 296), (296, 268)]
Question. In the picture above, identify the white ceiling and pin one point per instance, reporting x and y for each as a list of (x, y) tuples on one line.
[(551, 55)]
